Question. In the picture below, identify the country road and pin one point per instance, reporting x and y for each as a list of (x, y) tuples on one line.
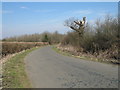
[(48, 69)]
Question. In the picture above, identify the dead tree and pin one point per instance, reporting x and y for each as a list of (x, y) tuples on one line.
[(76, 25)]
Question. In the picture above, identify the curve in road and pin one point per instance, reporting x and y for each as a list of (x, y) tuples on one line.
[(48, 69)]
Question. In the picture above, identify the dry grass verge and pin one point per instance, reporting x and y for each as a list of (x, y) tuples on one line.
[(71, 51), (14, 75)]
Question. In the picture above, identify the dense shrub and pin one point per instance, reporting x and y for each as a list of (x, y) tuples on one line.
[(101, 37), (71, 38), (14, 47)]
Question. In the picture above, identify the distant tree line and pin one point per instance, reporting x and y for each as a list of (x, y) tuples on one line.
[(52, 38), (103, 36)]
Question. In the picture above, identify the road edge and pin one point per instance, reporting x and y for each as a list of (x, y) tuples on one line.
[(14, 74)]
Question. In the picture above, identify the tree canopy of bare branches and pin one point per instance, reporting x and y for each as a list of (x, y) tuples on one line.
[(76, 24)]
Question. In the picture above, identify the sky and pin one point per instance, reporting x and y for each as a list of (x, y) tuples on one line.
[(19, 18), (60, 0)]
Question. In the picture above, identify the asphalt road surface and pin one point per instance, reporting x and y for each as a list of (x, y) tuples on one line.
[(48, 69)]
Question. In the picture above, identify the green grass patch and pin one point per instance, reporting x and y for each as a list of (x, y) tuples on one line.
[(14, 75)]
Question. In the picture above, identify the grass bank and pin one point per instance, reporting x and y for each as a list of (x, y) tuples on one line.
[(14, 75), (84, 57)]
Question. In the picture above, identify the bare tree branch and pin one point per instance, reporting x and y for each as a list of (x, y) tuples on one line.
[(75, 24)]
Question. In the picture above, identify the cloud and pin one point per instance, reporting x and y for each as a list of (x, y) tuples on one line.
[(83, 12), (45, 11), (23, 7)]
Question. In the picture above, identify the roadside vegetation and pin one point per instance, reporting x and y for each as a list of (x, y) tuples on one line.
[(13, 68), (15, 47), (14, 75), (98, 40), (52, 38), (65, 51)]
